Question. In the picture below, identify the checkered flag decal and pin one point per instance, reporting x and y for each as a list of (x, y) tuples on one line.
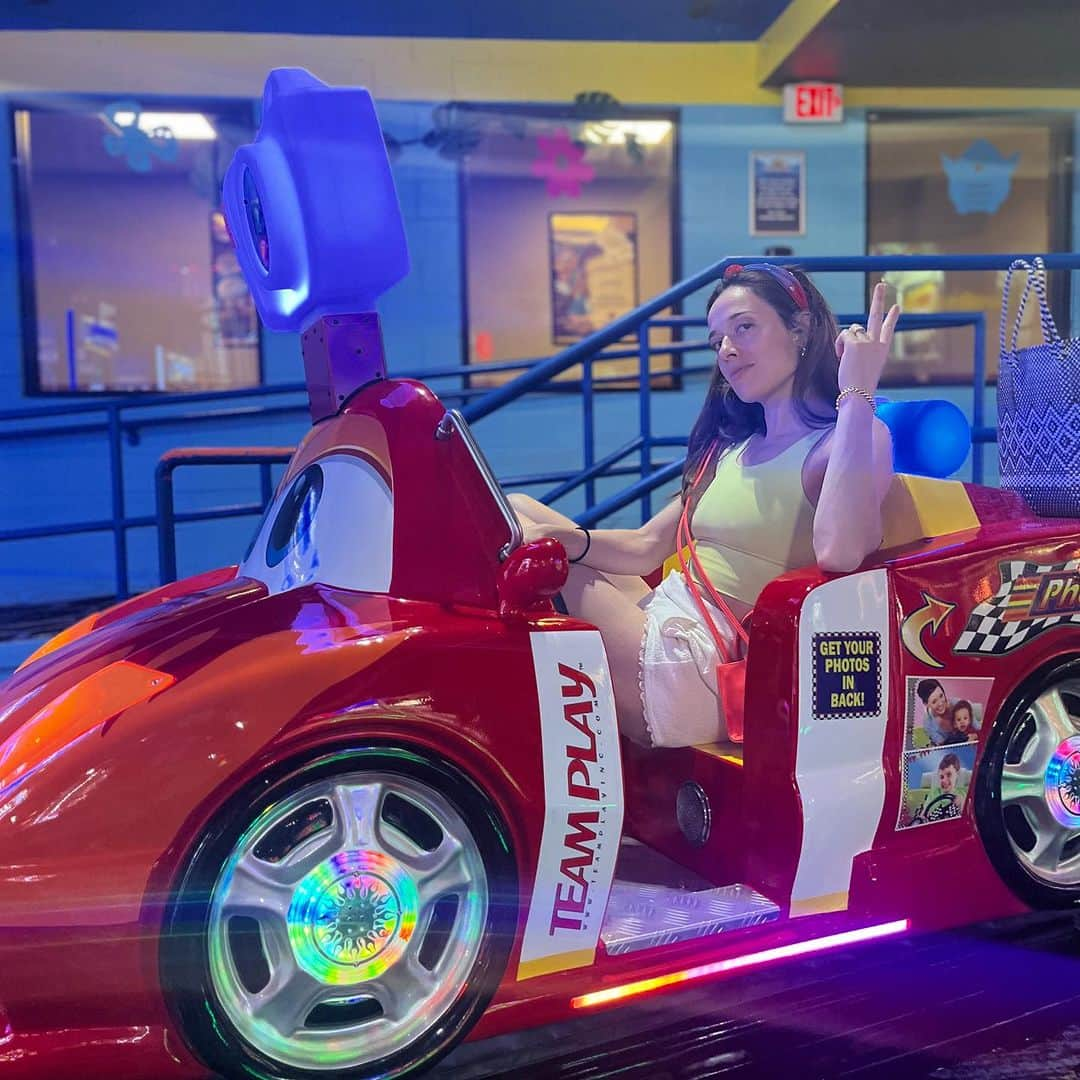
[(990, 633)]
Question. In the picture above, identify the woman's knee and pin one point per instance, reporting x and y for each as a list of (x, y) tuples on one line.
[(523, 505), (529, 509)]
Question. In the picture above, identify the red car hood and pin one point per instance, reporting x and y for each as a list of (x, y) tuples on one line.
[(173, 611), (150, 714)]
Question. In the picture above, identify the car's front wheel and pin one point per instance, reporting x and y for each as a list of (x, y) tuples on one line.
[(353, 921), (1028, 791)]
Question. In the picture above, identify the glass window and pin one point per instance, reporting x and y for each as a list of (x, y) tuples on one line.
[(950, 184), (569, 222), (129, 279), (292, 522)]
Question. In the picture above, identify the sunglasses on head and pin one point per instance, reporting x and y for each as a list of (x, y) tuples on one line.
[(782, 276)]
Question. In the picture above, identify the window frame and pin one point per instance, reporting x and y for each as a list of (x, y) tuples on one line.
[(570, 114), (238, 110), (1059, 125)]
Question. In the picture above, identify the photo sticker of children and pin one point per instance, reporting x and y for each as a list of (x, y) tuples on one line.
[(936, 784), (945, 711)]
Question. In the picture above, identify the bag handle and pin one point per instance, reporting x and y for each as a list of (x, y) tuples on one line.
[(717, 599), (1036, 278), (1046, 317), (1017, 264), (685, 539)]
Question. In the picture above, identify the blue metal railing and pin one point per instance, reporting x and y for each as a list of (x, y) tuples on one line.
[(609, 465), (124, 419), (119, 423), (565, 482), (536, 375), (644, 443), (641, 319), (168, 519)]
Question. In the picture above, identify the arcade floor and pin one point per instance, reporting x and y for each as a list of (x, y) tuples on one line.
[(1000, 1002)]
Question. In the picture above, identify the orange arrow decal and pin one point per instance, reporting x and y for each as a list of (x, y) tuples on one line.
[(931, 614)]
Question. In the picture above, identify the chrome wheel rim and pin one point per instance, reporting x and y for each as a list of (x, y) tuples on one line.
[(1040, 786), (346, 921)]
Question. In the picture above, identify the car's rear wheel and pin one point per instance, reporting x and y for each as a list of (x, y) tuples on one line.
[(1028, 791), (354, 920)]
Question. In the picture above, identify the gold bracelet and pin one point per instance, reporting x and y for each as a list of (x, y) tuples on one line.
[(856, 391)]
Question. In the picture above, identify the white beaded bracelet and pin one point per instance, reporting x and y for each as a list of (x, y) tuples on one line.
[(856, 391)]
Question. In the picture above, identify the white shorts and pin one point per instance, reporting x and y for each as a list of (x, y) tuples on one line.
[(677, 670)]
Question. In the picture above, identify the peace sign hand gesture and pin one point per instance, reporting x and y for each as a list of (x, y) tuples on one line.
[(863, 352)]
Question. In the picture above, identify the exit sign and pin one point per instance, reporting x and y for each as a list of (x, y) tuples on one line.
[(813, 103)]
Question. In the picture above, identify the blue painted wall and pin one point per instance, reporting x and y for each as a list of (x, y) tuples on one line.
[(62, 480), (716, 143)]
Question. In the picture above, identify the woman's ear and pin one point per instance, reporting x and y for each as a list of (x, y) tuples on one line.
[(800, 329)]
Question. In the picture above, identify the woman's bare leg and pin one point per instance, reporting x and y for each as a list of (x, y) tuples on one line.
[(612, 603)]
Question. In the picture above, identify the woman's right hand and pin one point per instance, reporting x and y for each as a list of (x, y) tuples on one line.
[(573, 540), (535, 530), (635, 552)]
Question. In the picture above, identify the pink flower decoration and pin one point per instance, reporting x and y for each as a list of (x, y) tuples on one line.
[(560, 164)]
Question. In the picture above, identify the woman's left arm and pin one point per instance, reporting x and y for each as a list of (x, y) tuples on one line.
[(847, 522)]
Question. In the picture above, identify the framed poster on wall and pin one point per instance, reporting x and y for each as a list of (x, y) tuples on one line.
[(594, 271), (777, 193)]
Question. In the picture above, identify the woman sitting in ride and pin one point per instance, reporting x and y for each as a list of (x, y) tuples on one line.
[(786, 465)]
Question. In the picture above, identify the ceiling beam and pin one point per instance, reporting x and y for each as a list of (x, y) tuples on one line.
[(972, 43), (969, 98), (794, 25), (425, 69)]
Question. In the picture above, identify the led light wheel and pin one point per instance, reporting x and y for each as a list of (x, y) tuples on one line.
[(355, 925), (1028, 794)]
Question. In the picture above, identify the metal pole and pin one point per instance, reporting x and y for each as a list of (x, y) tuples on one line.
[(266, 482), (166, 517), (588, 420), (645, 417), (663, 475), (978, 410), (572, 480), (116, 476)]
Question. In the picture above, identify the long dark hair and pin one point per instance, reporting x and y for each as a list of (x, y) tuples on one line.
[(726, 419)]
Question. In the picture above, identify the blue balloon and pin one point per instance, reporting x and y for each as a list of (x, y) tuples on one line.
[(930, 438)]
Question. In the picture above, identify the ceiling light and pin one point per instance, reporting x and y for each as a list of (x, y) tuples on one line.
[(183, 125), (615, 132)]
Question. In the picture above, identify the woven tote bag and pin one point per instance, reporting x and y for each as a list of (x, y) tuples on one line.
[(1038, 396)]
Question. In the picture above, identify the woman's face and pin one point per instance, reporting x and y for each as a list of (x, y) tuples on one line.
[(937, 703), (755, 351)]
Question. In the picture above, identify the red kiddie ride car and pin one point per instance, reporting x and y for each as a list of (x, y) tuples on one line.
[(329, 811)]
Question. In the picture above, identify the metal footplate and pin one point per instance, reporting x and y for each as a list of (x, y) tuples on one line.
[(642, 916)]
